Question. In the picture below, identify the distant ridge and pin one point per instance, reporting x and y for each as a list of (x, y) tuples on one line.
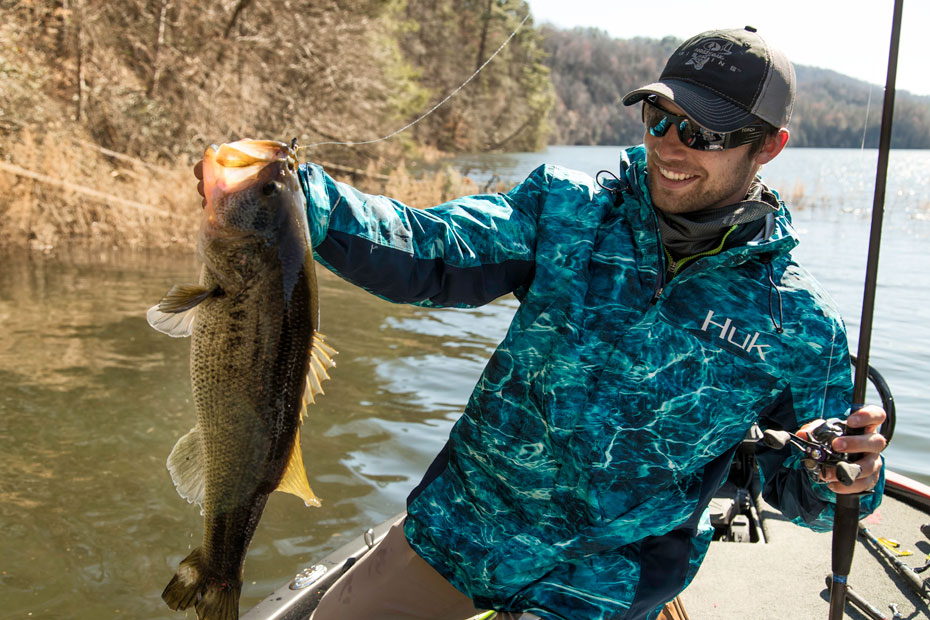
[(591, 71)]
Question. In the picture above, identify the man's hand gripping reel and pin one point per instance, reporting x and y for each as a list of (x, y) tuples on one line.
[(817, 449)]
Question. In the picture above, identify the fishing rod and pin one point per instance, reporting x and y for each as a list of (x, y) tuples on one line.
[(864, 606), (846, 517), (909, 574)]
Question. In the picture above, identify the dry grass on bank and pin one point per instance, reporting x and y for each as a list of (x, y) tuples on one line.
[(57, 191), (60, 192)]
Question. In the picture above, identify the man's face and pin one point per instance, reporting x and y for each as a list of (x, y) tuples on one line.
[(683, 180)]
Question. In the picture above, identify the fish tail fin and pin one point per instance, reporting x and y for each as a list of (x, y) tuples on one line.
[(192, 586), (187, 584), (220, 602)]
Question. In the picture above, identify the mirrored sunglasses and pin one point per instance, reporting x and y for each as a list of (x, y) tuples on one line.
[(659, 121)]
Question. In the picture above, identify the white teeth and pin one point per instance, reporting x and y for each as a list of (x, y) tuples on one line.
[(674, 176)]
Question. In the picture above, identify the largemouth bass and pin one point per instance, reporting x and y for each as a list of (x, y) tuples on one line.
[(256, 360)]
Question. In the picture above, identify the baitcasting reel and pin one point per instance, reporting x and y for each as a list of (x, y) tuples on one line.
[(816, 449)]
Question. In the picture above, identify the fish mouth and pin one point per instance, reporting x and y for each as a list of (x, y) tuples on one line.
[(231, 166), (243, 153)]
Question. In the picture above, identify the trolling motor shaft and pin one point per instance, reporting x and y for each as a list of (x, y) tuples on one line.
[(817, 449)]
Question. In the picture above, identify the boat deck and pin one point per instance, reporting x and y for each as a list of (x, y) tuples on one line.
[(786, 576)]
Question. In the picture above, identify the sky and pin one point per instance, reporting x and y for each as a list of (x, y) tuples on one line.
[(850, 37)]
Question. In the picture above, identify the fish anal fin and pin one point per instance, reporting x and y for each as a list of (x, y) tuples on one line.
[(186, 466), (295, 480), (175, 313)]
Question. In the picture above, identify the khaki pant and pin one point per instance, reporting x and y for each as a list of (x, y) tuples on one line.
[(392, 582)]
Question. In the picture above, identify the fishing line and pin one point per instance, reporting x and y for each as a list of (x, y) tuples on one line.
[(434, 108)]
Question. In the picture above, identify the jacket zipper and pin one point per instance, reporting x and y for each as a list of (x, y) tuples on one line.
[(672, 266)]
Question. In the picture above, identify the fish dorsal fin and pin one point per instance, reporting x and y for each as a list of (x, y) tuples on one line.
[(175, 313), (295, 476), (186, 466), (321, 358)]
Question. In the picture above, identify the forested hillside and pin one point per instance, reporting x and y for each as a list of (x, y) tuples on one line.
[(104, 106), (155, 78), (592, 71)]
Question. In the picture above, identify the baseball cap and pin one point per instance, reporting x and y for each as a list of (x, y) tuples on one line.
[(726, 79)]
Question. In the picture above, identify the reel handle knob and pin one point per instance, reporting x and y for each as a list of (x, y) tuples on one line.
[(847, 472), (776, 439)]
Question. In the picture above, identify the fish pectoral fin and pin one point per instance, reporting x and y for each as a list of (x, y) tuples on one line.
[(321, 358), (186, 466), (175, 313), (295, 480)]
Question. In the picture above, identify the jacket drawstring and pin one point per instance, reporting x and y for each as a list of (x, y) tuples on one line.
[(624, 184), (773, 288)]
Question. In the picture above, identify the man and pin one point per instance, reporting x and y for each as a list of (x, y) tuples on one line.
[(661, 315)]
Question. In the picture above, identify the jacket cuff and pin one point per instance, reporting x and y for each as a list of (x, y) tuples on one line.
[(313, 182)]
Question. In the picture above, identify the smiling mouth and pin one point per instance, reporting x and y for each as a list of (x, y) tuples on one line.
[(674, 176)]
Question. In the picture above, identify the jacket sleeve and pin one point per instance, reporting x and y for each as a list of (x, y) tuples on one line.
[(822, 390), (465, 252)]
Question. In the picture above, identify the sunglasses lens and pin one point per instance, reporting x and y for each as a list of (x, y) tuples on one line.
[(656, 120), (692, 135), (687, 135), (660, 128)]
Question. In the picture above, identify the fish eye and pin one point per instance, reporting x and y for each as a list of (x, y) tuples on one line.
[(270, 188)]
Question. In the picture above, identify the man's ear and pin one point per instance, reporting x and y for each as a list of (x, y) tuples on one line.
[(772, 146)]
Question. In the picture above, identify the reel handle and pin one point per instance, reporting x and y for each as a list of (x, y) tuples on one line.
[(818, 449), (847, 472), (776, 439)]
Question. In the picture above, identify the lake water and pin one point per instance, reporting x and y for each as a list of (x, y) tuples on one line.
[(92, 399)]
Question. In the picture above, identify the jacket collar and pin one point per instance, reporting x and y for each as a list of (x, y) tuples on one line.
[(778, 236)]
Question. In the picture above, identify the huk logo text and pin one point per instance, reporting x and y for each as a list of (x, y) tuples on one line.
[(729, 333)]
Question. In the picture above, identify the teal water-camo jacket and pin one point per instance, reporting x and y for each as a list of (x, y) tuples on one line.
[(576, 482)]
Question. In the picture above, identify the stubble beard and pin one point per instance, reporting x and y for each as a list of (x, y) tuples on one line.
[(705, 194)]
